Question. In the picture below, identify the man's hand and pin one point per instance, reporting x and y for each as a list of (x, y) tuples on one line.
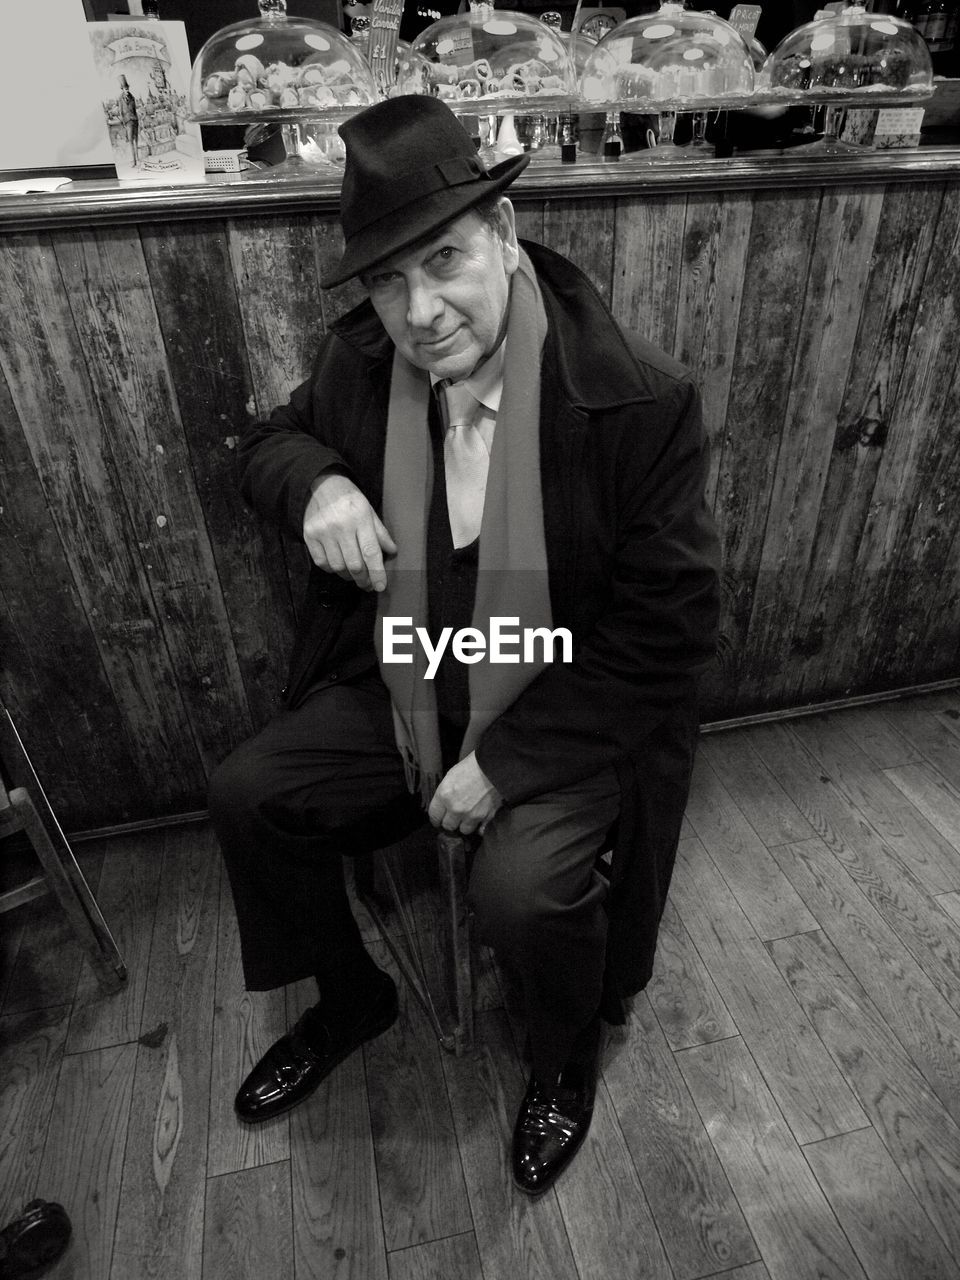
[(465, 800), (344, 534)]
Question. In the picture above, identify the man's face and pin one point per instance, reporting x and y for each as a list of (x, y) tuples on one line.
[(443, 301)]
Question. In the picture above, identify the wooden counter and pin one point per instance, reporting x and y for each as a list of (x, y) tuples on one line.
[(145, 615)]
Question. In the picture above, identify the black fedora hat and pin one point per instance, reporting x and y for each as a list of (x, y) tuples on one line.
[(410, 168)]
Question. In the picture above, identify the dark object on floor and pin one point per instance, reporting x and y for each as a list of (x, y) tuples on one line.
[(31, 1242)]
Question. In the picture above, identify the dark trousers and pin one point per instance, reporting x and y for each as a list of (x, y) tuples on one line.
[(325, 780)]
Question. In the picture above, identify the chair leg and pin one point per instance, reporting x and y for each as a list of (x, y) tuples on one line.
[(67, 882)]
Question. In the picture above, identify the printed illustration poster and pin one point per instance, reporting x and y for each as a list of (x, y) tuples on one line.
[(143, 68)]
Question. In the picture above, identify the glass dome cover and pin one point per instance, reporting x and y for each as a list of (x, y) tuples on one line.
[(673, 57), (852, 53), (504, 59), (278, 68)]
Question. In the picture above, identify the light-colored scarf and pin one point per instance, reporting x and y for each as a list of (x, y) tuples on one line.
[(512, 574)]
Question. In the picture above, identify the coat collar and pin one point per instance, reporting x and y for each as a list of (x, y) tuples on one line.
[(595, 366)]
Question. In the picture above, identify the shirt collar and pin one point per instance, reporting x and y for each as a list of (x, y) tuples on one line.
[(485, 384)]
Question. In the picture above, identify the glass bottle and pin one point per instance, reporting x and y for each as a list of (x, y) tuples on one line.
[(360, 33), (551, 123), (611, 144), (151, 9)]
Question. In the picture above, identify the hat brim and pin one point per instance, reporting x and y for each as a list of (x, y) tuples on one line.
[(383, 239)]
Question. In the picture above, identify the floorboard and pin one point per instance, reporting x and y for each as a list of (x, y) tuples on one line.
[(783, 1102)]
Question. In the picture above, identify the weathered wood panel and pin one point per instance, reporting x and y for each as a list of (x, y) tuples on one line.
[(820, 323), (105, 279), (196, 300), (781, 244)]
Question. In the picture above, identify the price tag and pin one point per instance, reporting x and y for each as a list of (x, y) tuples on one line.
[(744, 18)]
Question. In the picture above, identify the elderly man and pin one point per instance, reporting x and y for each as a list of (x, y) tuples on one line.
[(478, 444)]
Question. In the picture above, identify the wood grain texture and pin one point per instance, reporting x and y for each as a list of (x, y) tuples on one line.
[(245, 1025), (337, 1225), (454, 1258), (564, 223), (836, 287), (160, 1220), (82, 1166), (208, 364), (849, 561), (126, 892), (801, 1075), (771, 308), (31, 1051), (422, 1192), (647, 255), (698, 1157), (45, 366), (918, 842), (921, 493), (698, 1218), (753, 1271), (247, 1230), (529, 218), (932, 737), (610, 1228), (681, 992), (885, 881), (51, 676), (924, 1023), (516, 1236), (762, 801), (936, 799), (875, 737), (820, 324), (785, 1209), (714, 262), (921, 1138), (887, 1228), (104, 275), (49, 959), (766, 897)]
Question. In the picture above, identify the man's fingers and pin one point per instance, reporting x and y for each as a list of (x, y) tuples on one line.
[(383, 535)]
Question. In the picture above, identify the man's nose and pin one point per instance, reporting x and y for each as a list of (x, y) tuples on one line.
[(424, 305)]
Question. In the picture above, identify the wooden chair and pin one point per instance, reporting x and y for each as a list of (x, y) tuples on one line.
[(449, 1009), (26, 809)]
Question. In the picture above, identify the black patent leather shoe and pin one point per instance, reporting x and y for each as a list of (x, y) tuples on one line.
[(295, 1065), (34, 1240), (553, 1119)]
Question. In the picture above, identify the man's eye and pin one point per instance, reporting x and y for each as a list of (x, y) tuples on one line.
[(445, 255)]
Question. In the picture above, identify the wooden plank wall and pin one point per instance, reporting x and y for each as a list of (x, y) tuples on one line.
[(145, 615)]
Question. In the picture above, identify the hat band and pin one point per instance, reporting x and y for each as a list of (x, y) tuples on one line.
[(415, 186)]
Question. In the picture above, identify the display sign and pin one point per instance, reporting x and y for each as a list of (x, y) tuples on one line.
[(744, 18), (143, 71), (49, 99)]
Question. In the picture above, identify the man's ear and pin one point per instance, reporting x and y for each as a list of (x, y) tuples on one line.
[(508, 236)]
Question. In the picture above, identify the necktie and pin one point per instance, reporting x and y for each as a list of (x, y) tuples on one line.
[(466, 462)]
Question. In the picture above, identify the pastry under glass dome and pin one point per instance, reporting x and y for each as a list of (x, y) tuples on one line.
[(673, 59), (490, 60), (850, 54), (279, 68)]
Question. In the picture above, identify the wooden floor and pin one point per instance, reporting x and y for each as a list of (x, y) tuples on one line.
[(784, 1103)]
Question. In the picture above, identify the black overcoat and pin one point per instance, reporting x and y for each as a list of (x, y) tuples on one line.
[(633, 571)]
